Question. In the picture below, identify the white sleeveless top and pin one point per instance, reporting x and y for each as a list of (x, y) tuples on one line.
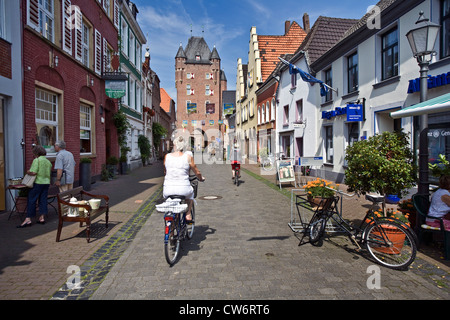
[(177, 170), (439, 208)]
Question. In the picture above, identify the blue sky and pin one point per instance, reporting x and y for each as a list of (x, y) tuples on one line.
[(225, 24)]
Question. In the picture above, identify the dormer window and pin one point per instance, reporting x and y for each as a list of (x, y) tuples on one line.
[(197, 57)]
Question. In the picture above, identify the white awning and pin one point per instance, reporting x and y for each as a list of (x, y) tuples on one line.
[(435, 105)]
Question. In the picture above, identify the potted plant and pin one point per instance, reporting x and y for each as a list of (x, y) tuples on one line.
[(85, 173), (383, 163), (319, 189), (123, 165), (407, 208), (144, 147), (158, 132), (396, 236), (111, 165)]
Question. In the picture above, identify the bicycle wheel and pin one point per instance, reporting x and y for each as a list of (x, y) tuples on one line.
[(190, 227), (316, 230), (172, 245), (267, 165), (236, 178), (390, 244)]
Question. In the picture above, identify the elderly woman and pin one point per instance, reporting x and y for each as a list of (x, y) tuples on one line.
[(440, 204), (177, 166), (40, 168)]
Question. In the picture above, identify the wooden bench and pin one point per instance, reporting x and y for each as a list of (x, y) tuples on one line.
[(90, 214)]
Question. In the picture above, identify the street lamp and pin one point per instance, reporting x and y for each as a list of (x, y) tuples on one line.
[(422, 40)]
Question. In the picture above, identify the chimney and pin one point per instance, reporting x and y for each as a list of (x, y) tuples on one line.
[(306, 26), (287, 26)]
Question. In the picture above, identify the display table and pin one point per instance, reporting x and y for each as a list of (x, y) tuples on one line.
[(11, 189)]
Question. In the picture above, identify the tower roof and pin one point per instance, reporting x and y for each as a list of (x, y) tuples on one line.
[(180, 53), (197, 51), (214, 54)]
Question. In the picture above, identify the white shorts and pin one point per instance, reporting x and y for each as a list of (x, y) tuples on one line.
[(186, 191)]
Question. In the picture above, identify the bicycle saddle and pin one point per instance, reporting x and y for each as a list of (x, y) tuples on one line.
[(374, 198)]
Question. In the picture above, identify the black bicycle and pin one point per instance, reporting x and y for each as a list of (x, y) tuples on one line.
[(389, 242), (176, 228)]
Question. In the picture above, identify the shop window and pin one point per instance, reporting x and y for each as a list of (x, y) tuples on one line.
[(352, 72), (389, 54), (286, 116), (445, 29), (329, 144), (46, 119), (85, 129), (329, 81)]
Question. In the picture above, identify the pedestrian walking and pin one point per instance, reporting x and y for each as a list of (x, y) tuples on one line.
[(64, 163)]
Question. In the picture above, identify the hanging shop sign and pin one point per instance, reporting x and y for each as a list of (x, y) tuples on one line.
[(355, 112), (433, 82), (115, 89)]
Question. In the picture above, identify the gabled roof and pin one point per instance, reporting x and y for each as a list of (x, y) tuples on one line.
[(324, 34), (272, 47), (165, 100)]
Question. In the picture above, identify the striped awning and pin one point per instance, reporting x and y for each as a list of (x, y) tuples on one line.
[(435, 105)]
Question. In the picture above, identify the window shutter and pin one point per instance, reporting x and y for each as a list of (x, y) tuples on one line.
[(98, 52), (211, 92), (106, 62), (67, 27), (116, 14), (33, 14), (78, 34)]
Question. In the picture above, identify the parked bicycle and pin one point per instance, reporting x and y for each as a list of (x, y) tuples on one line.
[(389, 242), (268, 162), (174, 208)]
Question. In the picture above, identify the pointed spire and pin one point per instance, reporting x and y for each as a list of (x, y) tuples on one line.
[(181, 53), (214, 54)]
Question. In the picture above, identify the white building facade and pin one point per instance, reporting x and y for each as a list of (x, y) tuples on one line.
[(373, 66)]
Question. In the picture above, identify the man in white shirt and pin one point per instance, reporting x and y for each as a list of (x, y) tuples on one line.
[(64, 162)]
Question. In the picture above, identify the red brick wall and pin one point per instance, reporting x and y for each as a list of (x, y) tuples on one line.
[(5, 59), (71, 78), (198, 85)]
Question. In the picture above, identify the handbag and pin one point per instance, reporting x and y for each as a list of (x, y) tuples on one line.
[(28, 180)]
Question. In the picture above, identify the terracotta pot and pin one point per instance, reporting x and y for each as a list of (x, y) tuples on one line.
[(395, 236)]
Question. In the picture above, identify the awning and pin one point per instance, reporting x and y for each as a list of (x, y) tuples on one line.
[(435, 105)]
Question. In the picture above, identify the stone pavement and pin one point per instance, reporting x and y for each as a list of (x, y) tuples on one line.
[(242, 249)]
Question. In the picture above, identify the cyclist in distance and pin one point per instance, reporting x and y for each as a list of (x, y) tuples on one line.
[(236, 159), (177, 166)]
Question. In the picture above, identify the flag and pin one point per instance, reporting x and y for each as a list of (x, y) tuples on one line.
[(307, 77)]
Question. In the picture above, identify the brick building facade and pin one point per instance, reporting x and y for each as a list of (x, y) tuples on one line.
[(200, 83), (67, 45)]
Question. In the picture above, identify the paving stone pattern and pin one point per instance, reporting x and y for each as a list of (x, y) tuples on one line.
[(243, 249)]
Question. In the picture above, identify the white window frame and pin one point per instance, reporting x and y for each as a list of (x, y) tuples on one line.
[(124, 37), (47, 14), (44, 117), (86, 125)]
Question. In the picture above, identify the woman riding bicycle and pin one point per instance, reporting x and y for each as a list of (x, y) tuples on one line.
[(177, 166), (235, 158)]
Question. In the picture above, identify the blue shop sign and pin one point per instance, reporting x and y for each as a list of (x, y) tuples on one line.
[(433, 82), (336, 112), (355, 112)]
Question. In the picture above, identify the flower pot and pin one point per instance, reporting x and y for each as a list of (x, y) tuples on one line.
[(85, 175), (392, 199), (395, 236), (317, 201)]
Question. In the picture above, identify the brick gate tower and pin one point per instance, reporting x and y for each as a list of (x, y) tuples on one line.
[(199, 81)]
